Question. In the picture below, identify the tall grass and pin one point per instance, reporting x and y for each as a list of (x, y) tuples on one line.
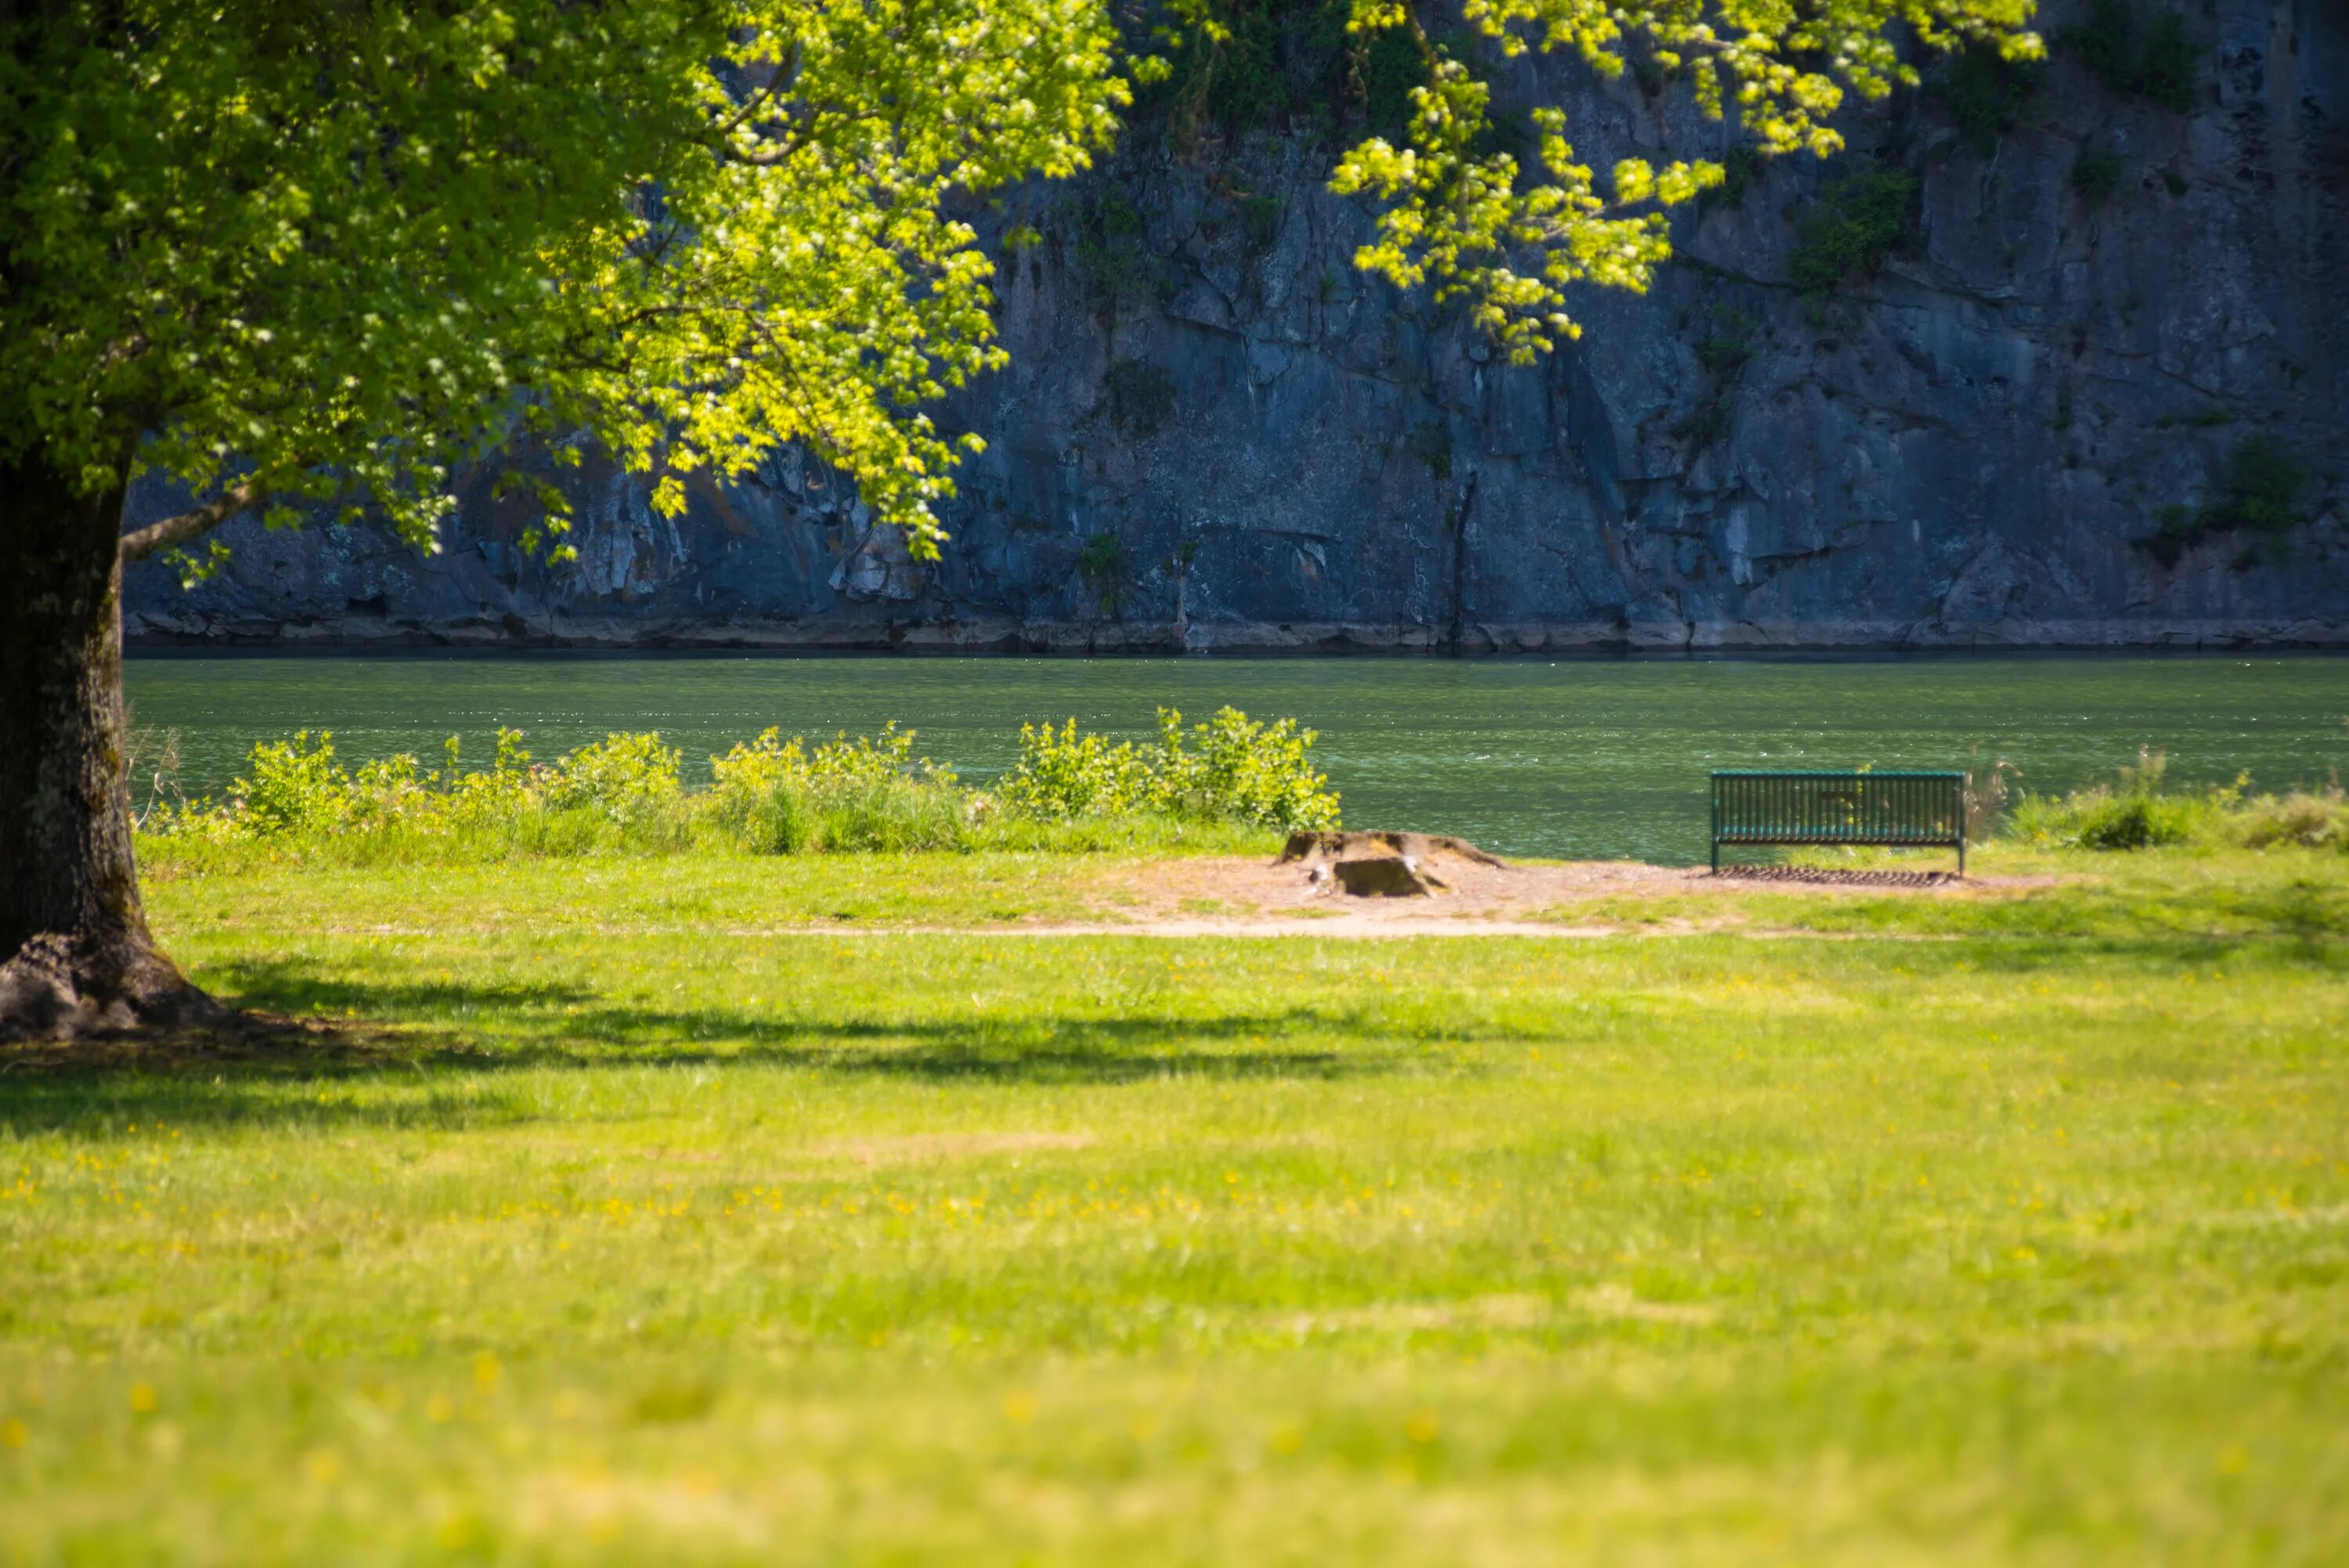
[(2139, 810), (1223, 789)]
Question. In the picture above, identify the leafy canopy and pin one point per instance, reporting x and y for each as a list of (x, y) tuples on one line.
[(329, 249), (1511, 241), (333, 247)]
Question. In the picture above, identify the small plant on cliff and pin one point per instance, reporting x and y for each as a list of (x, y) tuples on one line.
[(1140, 396), (1857, 224), (2096, 174), (2157, 63), (1102, 564), (1985, 95), (1113, 252), (1741, 170), (1723, 351), (2261, 490)]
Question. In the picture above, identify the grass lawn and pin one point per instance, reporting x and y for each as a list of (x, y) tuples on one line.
[(628, 1221)]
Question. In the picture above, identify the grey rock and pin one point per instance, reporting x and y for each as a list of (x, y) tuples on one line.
[(1967, 450)]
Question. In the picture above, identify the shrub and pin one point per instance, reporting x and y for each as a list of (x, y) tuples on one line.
[(1857, 224), (296, 787), (2315, 820), (771, 796), (625, 779), (1741, 170), (1230, 769), (2132, 822), (775, 797), (1064, 774), (2139, 810), (488, 796), (1242, 771), (2260, 487), (1272, 65)]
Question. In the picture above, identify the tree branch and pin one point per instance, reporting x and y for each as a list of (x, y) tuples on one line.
[(140, 543)]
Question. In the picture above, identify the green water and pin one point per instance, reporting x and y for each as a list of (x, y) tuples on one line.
[(1574, 758)]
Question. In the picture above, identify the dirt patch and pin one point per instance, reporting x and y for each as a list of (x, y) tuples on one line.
[(1472, 893)]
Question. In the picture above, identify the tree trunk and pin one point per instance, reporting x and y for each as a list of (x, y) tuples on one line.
[(69, 911)]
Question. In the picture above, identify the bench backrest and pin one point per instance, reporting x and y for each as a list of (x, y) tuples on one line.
[(1922, 809)]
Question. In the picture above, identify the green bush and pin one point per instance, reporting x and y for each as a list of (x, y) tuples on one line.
[(1242, 771), (2134, 822), (1064, 774), (296, 787), (1230, 769), (2138, 812), (626, 793), (626, 778), (1741, 170), (1102, 565), (1270, 65), (1858, 222), (775, 797), (1112, 248)]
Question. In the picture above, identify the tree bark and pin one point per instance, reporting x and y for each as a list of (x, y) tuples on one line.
[(83, 960)]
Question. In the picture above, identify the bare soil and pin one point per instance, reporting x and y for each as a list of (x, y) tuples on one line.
[(1478, 895)]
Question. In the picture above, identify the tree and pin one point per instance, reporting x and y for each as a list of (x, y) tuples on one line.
[(1466, 216), (296, 252)]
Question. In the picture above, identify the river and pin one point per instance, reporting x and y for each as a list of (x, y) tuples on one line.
[(1589, 757)]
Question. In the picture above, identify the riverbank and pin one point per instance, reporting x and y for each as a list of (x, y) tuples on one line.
[(368, 627), (608, 1212)]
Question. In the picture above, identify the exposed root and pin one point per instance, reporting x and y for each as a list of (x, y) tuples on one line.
[(60, 987)]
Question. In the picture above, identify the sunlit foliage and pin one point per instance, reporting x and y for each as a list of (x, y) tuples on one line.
[(1511, 241), (301, 250), (299, 253)]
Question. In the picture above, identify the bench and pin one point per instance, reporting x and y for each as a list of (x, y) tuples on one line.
[(1902, 811)]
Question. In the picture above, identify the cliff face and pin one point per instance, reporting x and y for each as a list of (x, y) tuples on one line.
[(2101, 318)]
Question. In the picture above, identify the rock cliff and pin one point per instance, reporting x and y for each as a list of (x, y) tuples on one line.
[(2086, 384)]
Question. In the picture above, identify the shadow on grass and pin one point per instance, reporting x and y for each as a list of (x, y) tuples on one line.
[(435, 1039)]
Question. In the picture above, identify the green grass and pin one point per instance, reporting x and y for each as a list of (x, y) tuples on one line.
[(622, 1225)]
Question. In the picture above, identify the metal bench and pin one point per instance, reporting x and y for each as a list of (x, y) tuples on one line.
[(1904, 811)]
